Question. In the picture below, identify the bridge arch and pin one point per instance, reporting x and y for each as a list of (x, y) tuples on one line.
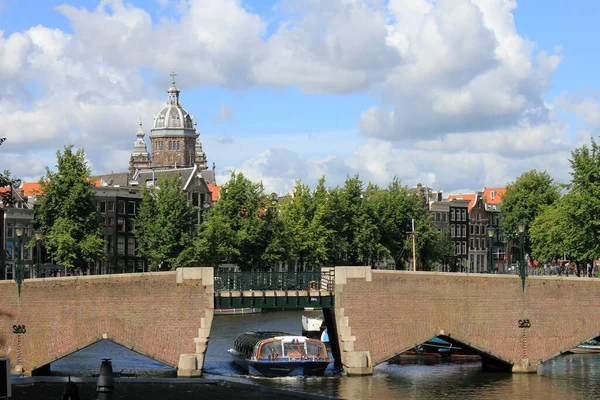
[(380, 313), (165, 316)]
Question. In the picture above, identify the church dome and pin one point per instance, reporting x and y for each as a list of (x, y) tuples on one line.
[(173, 116)]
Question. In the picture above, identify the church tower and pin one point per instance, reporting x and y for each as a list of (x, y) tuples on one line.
[(140, 158), (173, 135)]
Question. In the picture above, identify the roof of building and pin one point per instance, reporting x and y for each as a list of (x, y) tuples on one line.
[(493, 195), (32, 189), (173, 116), (471, 197), (215, 191), (118, 179)]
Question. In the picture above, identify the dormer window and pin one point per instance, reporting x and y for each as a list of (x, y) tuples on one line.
[(492, 195)]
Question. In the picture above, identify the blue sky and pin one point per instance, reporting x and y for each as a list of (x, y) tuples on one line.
[(455, 94)]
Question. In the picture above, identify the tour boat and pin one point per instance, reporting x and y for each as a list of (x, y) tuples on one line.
[(279, 354), (312, 327), (592, 346)]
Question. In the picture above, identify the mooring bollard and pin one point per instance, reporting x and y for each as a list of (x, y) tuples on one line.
[(71, 391), (106, 383)]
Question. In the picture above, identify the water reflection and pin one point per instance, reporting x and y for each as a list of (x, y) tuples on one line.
[(86, 362)]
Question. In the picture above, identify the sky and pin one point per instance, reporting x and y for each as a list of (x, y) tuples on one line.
[(457, 95)]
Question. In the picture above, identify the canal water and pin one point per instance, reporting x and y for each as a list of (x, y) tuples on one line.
[(574, 376)]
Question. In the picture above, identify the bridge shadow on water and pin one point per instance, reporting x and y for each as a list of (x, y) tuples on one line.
[(125, 362)]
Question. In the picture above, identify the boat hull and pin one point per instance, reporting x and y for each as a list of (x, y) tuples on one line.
[(281, 367), (585, 349)]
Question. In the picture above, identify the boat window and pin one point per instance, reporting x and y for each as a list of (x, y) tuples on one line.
[(270, 349), (314, 349), (293, 349)]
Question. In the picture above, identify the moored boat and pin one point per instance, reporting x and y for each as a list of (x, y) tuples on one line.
[(278, 354), (438, 348), (236, 311), (592, 346), (312, 327)]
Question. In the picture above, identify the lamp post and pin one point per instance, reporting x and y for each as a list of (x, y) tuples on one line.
[(19, 266), (521, 228), (38, 238), (490, 231)]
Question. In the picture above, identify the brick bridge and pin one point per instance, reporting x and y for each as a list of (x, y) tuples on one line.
[(378, 314)]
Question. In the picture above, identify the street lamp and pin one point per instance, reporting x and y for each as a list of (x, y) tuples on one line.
[(521, 228), (490, 231), (39, 235), (19, 266)]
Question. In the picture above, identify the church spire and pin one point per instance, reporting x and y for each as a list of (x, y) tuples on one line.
[(173, 91), (140, 158)]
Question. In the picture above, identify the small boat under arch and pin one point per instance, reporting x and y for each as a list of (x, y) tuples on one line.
[(279, 354)]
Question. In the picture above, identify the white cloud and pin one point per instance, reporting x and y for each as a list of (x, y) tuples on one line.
[(458, 92)]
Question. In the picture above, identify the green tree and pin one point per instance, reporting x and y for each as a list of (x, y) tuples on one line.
[(243, 227), (444, 249), (524, 200), (66, 213), (7, 197), (164, 227), (302, 216)]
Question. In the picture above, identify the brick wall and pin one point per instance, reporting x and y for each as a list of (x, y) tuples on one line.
[(149, 313), (395, 310)]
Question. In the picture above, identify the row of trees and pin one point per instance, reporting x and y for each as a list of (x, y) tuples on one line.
[(563, 220), (350, 225)]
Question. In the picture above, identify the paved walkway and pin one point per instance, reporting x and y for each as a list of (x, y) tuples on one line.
[(52, 388)]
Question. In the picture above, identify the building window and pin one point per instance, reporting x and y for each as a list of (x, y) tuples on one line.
[(472, 243), (110, 221), (170, 145), (452, 231), (131, 207), (130, 266), (471, 229), (140, 266), (102, 207), (464, 247), (160, 146), (444, 217), (121, 245), (483, 246), (9, 230), (452, 214), (9, 271), (464, 215), (457, 252), (26, 255), (121, 207), (492, 195), (109, 244), (120, 224), (464, 231), (131, 247), (9, 250), (111, 206)]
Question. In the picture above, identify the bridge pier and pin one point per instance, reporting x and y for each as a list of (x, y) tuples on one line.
[(190, 365)]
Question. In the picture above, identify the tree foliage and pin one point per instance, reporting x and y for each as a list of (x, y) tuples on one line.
[(524, 200), (164, 227), (66, 213)]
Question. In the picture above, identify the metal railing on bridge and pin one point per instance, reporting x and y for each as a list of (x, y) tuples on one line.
[(226, 280)]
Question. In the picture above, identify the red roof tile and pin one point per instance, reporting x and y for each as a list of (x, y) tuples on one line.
[(215, 191), (472, 197), (497, 195), (32, 188)]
